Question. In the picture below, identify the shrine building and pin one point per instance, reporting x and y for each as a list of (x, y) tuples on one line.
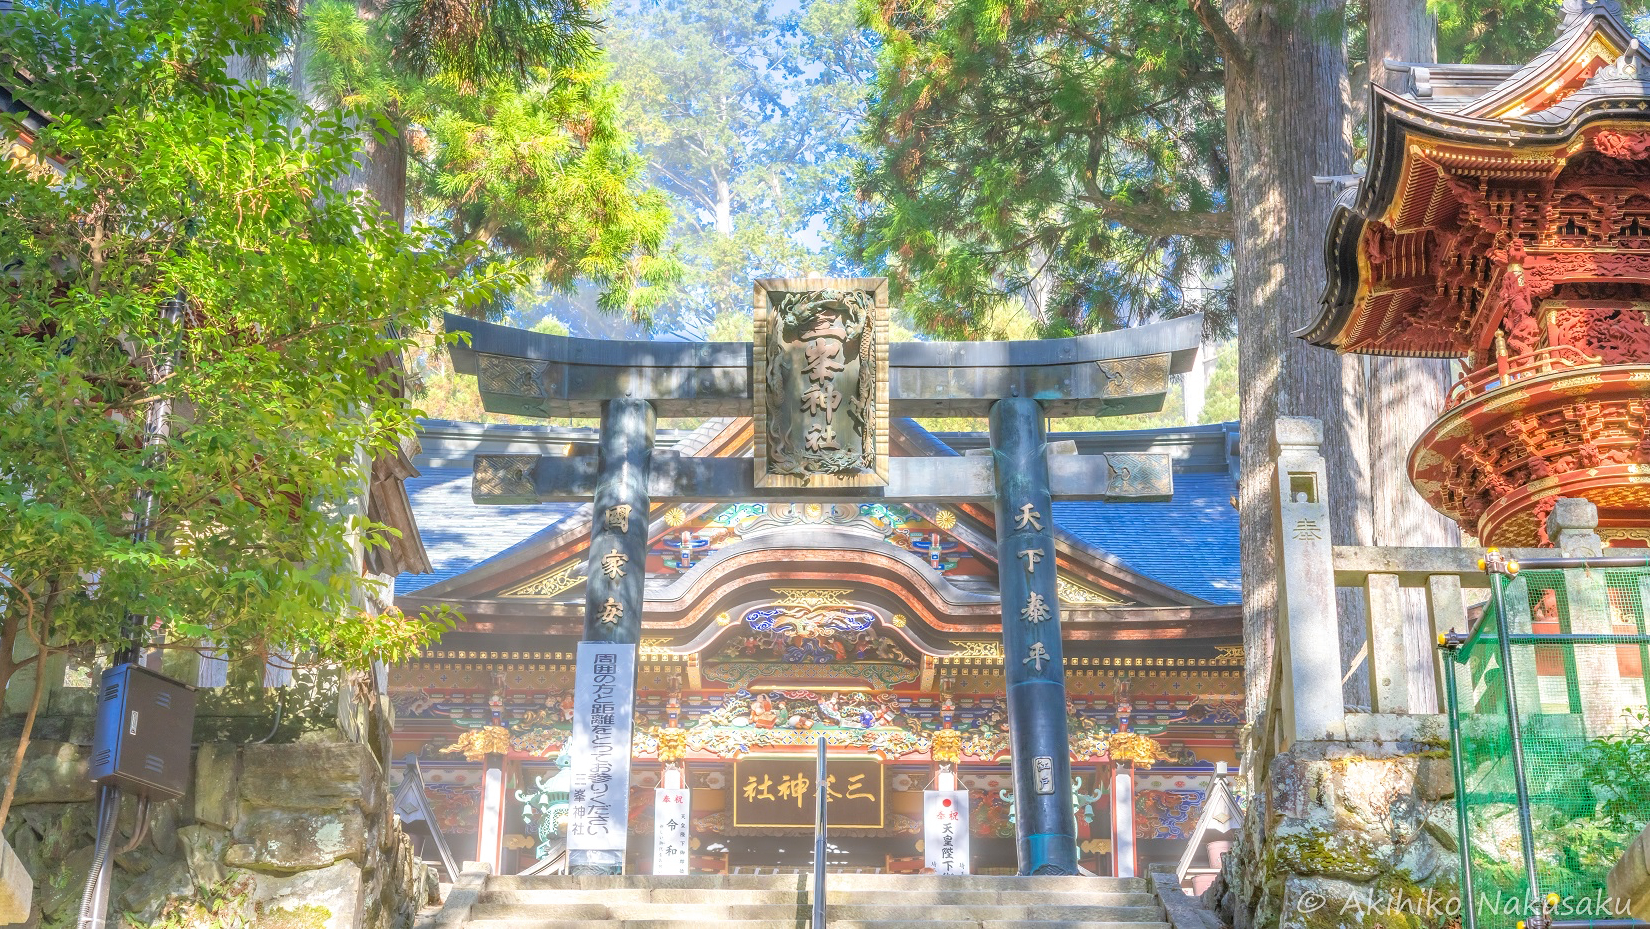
[(767, 624), (1504, 221)]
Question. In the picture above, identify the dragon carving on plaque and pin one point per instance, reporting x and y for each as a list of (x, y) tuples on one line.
[(821, 387)]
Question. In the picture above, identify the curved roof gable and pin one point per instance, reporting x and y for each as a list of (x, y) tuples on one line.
[(1529, 123)]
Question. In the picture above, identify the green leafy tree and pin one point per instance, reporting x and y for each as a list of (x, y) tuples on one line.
[(195, 326), (1062, 158), (1220, 402), (1500, 31), (498, 122)]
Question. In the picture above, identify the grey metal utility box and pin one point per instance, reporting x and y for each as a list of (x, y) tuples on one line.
[(140, 741)]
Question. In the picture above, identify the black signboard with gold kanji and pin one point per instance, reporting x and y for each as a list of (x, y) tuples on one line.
[(778, 792)]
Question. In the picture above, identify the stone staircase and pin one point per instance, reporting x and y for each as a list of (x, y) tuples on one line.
[(854, 901)]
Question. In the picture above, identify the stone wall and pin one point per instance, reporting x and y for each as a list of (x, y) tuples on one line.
[(1629, 880), (295, 835), (1350, 832)]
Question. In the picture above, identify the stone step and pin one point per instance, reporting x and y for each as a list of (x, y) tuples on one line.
[(884, 883), (801, 922), (1081, 896), (868, 911)]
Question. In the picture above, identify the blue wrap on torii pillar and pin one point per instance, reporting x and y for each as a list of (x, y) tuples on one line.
[(1033, 671)]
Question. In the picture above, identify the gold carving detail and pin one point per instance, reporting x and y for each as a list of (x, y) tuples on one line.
[(811, 597), (946, 746), (549, 584), (1072, 592), (1576, 386), (672, 745), (979, 648), (477, 744), (656, 647), (1516, 399), (1140, 750)]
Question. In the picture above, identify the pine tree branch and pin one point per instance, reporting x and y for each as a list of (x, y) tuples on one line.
[(1155, 221), (1231, 46), (1142, 218)]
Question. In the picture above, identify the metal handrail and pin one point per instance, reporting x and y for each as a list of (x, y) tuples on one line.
[(1521, 786), (819, 840)]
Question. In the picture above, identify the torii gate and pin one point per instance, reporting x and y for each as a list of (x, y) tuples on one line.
[(821, 381)]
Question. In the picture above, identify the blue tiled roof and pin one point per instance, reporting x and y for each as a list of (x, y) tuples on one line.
[(1189, 543), (459, 534)]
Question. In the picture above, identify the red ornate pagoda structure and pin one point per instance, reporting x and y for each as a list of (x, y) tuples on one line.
[(1504, 221)]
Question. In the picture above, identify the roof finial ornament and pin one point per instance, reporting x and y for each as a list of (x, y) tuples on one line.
[(1631, 66), (1577, 10)]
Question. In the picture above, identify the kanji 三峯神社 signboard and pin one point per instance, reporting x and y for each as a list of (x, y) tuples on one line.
[(779, 792)]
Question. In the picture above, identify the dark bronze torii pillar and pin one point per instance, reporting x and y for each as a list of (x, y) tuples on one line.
[(1016, 384), (616, 569), (1033, 669)]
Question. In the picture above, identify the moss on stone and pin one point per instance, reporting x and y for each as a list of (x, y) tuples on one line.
[(308, 916), (1317, 850)]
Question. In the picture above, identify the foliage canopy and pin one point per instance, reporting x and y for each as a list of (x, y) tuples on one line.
[(747, 116), (510, 120), (175, 240), (1063, 155)]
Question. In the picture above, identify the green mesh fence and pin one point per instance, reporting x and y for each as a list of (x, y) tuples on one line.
[(1575, 661)]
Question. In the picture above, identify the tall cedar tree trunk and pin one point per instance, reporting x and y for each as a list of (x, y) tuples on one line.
[(246, 70), (1286, 122), (1405, 394), (381, 167)]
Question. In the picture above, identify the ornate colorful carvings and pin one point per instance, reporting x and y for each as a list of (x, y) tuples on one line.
[(477, 744), (1527, 254), (1166, 814), (805, 635), (544, 807), (691, 541), (1492, 464), (1628, 145), (1136, 749), (945, 746), (672, 745), (779, 718)]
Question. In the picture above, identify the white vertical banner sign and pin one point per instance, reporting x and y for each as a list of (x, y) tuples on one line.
[(670, 831), (604, 691), (945, 831), (1122, 821)]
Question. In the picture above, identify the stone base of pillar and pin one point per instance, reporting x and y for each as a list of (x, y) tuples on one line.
[(581, 861)]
